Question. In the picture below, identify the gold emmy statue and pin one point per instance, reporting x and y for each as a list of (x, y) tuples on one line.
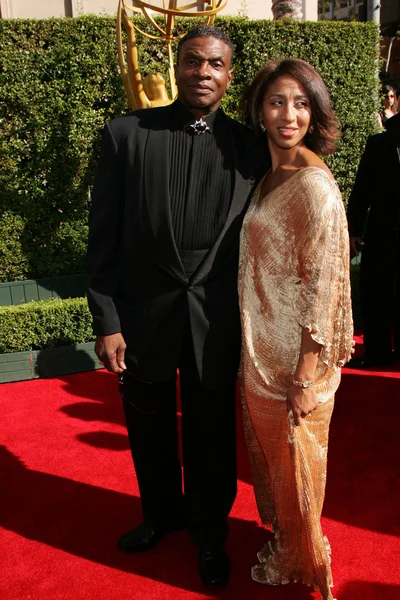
[(151, 90)]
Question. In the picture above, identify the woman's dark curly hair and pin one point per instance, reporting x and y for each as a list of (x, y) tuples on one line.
[(325, 132)]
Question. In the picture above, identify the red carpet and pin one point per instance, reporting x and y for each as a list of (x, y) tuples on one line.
[(68, 492)]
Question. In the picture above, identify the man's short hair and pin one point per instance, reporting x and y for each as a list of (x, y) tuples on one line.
[(205, 31)]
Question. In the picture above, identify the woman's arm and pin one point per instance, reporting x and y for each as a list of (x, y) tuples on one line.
[(301, 401)]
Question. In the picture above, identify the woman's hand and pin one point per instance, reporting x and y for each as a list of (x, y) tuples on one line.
[(301, 401)]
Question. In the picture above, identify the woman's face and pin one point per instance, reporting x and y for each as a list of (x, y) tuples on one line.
[(286, 113), (388, 99)]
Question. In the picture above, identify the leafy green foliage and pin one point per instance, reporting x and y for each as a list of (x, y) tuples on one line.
[(60, 81), (38, 325)]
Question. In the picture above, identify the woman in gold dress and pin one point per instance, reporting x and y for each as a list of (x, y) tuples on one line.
[(296, 317)]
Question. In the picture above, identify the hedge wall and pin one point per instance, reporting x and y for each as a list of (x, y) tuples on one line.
[(46, 323), (60, 82)]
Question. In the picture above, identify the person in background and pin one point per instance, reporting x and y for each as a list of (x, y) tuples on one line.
[(373, 214), (389, 105), (172, 187), (294, 294)]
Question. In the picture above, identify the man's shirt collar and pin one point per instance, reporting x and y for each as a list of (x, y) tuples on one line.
[(182, 118)]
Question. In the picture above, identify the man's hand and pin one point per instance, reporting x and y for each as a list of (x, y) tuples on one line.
[(353, 248), (301, 402), (110, 350)]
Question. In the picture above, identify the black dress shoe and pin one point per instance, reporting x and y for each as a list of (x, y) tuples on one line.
[(143, 537), (146, 535), (368, 362), (214, 568)]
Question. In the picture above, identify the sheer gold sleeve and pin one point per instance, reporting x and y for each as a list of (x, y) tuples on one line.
[(324, 262)]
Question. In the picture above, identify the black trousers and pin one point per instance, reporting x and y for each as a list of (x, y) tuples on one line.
[(380, 302), (208, 450)]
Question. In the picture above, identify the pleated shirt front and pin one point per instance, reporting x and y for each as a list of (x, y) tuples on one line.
[(201, 179)]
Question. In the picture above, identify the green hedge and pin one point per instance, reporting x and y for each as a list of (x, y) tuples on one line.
[(60, 82), (38, 325)]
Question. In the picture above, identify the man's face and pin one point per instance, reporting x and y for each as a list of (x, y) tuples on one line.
[(203, 74)]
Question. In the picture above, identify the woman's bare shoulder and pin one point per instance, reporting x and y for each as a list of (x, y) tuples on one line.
[(312, 160), (318, 187)]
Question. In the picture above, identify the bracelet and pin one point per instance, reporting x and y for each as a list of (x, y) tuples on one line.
[(302, 384)]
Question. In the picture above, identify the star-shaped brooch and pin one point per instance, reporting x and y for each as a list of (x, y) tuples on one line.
[(199, 127)]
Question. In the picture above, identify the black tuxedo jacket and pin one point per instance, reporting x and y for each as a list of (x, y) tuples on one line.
[(136, 282), (374, 204)]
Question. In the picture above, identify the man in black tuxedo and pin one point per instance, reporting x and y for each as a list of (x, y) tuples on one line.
[(172, 186), (377, 190)]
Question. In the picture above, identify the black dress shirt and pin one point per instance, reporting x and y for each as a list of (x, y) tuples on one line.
[(201, 179)]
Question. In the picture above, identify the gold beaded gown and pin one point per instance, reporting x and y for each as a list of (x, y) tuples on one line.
[(294, 273)]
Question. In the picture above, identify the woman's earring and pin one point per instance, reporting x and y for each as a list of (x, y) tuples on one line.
[(310, 130), (262, 126)]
